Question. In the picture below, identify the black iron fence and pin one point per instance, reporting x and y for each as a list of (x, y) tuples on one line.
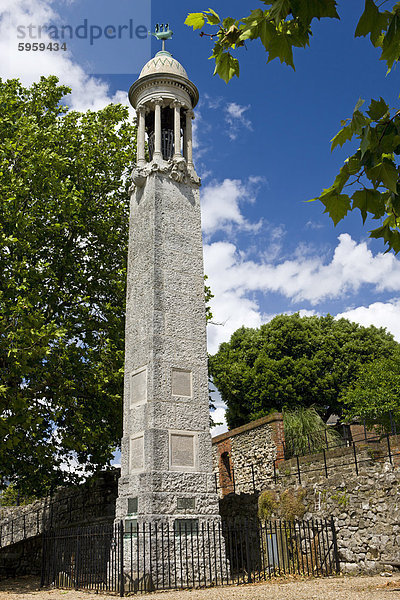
[(159, 556), (255, 476), (344, 435)]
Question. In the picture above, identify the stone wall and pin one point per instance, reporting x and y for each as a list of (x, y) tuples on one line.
[(365, 506), (245, 455), (21, 527)]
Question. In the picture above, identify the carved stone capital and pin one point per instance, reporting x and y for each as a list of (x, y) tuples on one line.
[(190, 113), (176, 104), (157, 101), (176, 169)]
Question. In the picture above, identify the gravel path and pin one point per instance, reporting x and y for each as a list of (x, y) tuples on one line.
[(333, 588)]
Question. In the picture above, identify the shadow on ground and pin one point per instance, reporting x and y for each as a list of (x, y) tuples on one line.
[(22, 585)]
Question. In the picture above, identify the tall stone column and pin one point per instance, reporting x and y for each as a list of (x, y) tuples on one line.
[(166, 459), (189, 143), (157, 129), (141, 136), (177, 128)]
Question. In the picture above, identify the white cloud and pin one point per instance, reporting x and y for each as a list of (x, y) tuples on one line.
[(218, 414), (236, 119), (221, 205), (313, 225), (219, 417), (380, 314), (234, 281), (87, 92)]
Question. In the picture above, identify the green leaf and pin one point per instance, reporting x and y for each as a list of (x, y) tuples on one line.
[(314, 9), (359, 104), (389, 236), (341, 178), (353, 164), (345, 134), (385, 173), (391, 42), (226, 66), (358, 121), (336, 205), (266, 32), (369, 201), (212, 17), (280, 10), (377, 109), (365, 140), (195, 20), (227, 22), (371, 23), (281, 47)]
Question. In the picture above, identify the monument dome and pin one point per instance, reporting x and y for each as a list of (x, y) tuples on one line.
[(163, 62)]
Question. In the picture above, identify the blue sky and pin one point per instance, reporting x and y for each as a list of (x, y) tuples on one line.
[(262, 149)]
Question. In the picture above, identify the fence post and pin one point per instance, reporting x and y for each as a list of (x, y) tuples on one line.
[(121, 559), (252, 476), (326, 466), (248, 561), (298, 468), (389, 450), (355, 457), (391, 422), (77, 558), (44, 547), (335, 546)]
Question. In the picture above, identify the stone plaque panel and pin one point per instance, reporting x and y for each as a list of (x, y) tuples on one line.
[(139, 387), (137, 460), (182, 451), (181, 383), (186, 503)]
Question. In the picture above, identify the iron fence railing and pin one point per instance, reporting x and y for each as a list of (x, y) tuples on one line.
[(320, 439), (255, 476), (159, 555)]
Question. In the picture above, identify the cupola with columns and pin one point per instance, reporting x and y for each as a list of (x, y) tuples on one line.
[(164, 98)]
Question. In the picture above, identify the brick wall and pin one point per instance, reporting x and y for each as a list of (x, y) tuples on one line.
[(245, 455)]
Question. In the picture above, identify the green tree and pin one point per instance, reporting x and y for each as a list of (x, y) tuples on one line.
[(293, 361), (372, 172), (376, 392), (63, 245)]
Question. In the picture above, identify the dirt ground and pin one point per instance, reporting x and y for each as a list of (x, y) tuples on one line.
[(332, 588)]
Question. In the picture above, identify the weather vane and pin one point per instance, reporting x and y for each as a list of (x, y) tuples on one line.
[(162, 32)]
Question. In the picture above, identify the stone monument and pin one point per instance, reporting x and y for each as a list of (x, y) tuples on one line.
[(166, 464)]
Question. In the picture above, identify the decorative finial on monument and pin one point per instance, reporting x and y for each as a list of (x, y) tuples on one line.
[(162, 32)]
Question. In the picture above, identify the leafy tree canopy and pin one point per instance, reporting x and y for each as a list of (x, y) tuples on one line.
[(371, 173), (376, 392), (63, 245), (293, 361)]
